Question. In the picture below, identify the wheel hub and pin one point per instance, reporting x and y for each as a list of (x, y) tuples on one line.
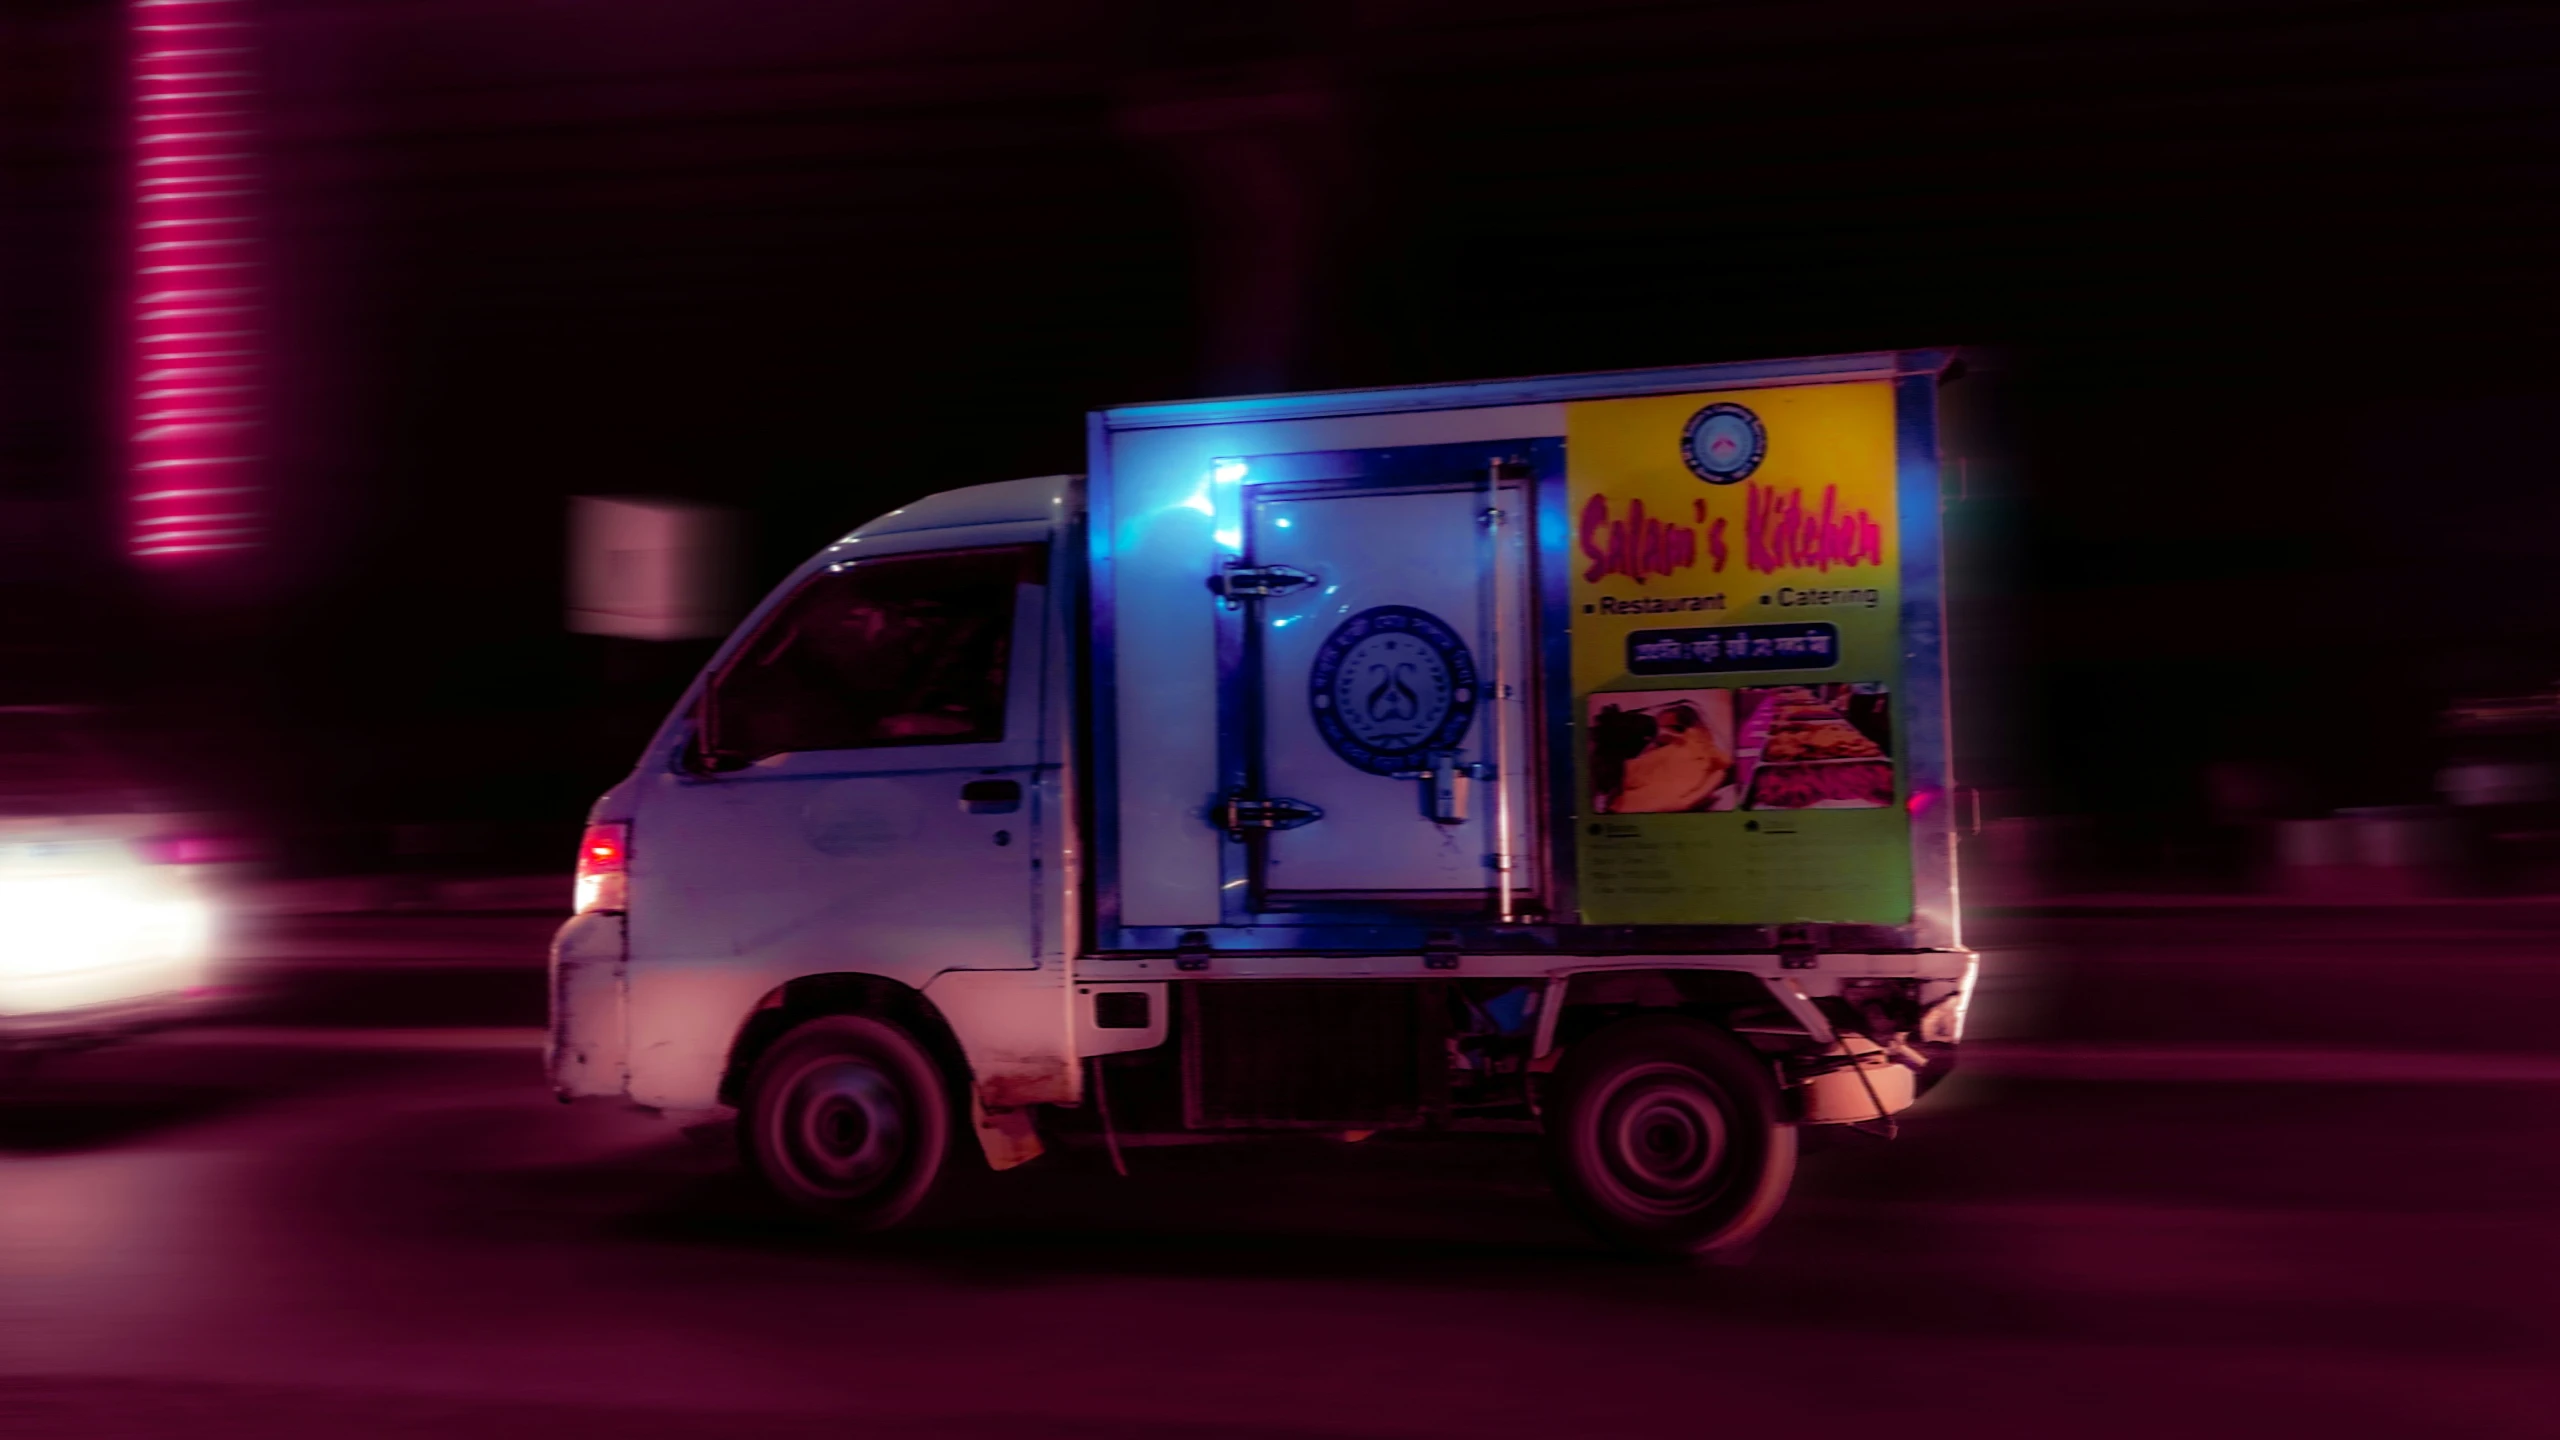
[(845, 1129), (1664, 1139)]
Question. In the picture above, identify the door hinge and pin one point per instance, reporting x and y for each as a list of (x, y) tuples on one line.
[(1191, 951), (1239, 814), (1238, 583), (1797, 947), (1440, 951)]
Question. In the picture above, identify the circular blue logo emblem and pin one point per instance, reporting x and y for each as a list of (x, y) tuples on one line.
[(1724, 443), (1390, 685)]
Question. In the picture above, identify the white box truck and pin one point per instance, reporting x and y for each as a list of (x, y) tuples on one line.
[(1566, 754)]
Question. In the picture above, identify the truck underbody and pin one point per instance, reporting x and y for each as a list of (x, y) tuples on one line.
[(1243, 1056)]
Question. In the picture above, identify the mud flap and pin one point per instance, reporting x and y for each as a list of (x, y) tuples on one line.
[(1007, 1136)]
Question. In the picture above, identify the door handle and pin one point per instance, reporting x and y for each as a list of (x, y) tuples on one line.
[(991, 797), (1444, 793)]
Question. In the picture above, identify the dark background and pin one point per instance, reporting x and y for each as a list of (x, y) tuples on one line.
[(2254, 471)]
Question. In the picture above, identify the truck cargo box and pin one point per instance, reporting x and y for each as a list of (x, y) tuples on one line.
[(1614, 663)]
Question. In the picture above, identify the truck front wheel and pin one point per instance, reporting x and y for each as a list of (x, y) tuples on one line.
[(1664, 1135), (848, 1118)]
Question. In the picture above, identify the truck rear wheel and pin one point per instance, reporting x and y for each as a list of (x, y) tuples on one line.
[(1664, 1135), (848, 1118)]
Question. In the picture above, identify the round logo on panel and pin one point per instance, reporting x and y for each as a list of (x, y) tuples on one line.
[(1723, 443), (1390, 685)]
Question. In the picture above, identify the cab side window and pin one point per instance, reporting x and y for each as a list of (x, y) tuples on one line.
[(906, 650)]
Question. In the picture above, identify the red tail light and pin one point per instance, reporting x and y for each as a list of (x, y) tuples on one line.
[(601, 858)]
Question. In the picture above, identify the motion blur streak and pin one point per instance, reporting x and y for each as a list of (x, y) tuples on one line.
[(195, 387)]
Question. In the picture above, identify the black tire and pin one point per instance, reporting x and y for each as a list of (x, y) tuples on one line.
[(1665, 1136), (848, 1118)]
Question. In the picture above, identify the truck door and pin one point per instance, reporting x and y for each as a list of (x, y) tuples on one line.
[(861, 785), (1389, 670)]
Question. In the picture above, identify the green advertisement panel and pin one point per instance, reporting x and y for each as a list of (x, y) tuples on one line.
[(1736, 654)]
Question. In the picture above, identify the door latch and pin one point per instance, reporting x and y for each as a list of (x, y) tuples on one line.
[(1238, 583), (1241, 814)]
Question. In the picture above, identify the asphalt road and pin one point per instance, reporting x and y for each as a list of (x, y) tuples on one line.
[(326, 1228)]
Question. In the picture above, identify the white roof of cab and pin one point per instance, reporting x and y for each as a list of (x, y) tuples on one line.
[(1036, 499)]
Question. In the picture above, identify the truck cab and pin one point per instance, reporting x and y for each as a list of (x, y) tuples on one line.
[(1566, 755)]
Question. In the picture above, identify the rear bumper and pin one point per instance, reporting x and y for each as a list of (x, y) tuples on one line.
[(587, 1054)]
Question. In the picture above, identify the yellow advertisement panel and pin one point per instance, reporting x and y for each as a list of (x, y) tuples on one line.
[(1735, 652)]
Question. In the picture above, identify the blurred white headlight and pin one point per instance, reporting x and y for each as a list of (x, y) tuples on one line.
[(53, 924), (61, 924)]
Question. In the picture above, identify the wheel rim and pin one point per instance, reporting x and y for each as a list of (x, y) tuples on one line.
[(1665, 1140), (844, 1127)]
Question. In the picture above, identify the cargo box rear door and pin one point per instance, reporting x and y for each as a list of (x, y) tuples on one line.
[(1378, 671)]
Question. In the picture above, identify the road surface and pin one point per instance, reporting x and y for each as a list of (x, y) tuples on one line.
[(309, 1225)]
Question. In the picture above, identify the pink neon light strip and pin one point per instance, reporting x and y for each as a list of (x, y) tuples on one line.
[(194, 493)]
